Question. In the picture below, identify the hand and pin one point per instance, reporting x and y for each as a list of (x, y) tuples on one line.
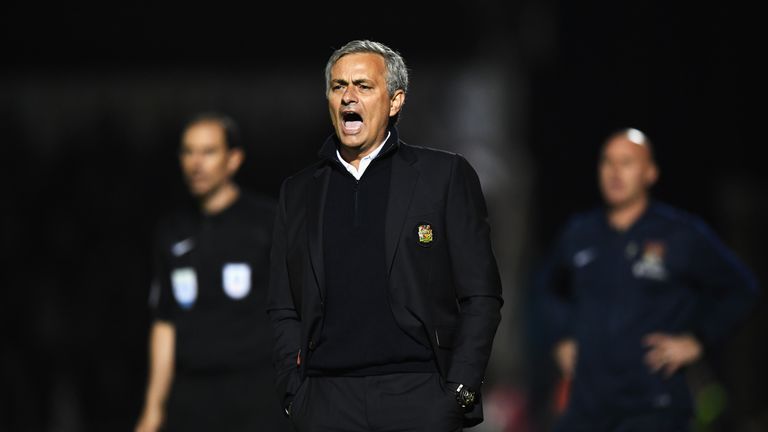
[(670, 352), (150, 421), (565, 353)]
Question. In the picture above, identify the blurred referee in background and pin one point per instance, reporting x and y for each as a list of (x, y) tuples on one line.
[(210, 345)]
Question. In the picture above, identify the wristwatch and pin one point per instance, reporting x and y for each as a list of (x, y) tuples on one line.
[(465, 396)]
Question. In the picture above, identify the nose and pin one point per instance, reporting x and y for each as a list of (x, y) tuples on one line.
[(193, 161), (349, 96)]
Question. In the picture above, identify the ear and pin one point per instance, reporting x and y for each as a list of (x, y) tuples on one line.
[(651, 174), (235, 159), (396, 103)]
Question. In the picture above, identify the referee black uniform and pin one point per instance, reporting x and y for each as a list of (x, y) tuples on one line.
[(211, 274)]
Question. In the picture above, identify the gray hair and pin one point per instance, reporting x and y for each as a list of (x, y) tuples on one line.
[(397, 73)]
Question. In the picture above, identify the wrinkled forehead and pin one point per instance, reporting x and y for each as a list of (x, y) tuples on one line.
[(362, 61)]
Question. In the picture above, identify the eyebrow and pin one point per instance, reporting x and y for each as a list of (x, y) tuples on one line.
[(354, 82)]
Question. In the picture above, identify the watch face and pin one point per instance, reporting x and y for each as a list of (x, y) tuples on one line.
[(468, 396), (465, 397)]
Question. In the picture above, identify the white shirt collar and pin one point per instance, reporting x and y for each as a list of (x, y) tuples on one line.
[(364, 162)]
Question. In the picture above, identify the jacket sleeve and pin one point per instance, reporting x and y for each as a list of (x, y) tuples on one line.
[(475, 274), (728, 287), (283, 315)]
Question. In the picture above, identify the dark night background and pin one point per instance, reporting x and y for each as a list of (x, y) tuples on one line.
[(92, 99)]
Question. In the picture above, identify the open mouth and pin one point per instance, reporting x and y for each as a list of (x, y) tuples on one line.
[(352, 122)]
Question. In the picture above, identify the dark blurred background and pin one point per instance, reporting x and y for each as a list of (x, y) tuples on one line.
[(92, 99)]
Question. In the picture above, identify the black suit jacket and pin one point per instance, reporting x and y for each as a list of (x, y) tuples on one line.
[(445, 293)]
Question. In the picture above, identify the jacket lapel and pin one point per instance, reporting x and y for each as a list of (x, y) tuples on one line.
[(402, 186), (315, 207)]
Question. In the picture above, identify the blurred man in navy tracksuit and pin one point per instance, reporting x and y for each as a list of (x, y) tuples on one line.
[(637, 290)]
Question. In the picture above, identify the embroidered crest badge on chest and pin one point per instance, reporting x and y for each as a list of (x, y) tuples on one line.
[(184, 284), (426, 236), (236, 278), (651, 264)]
